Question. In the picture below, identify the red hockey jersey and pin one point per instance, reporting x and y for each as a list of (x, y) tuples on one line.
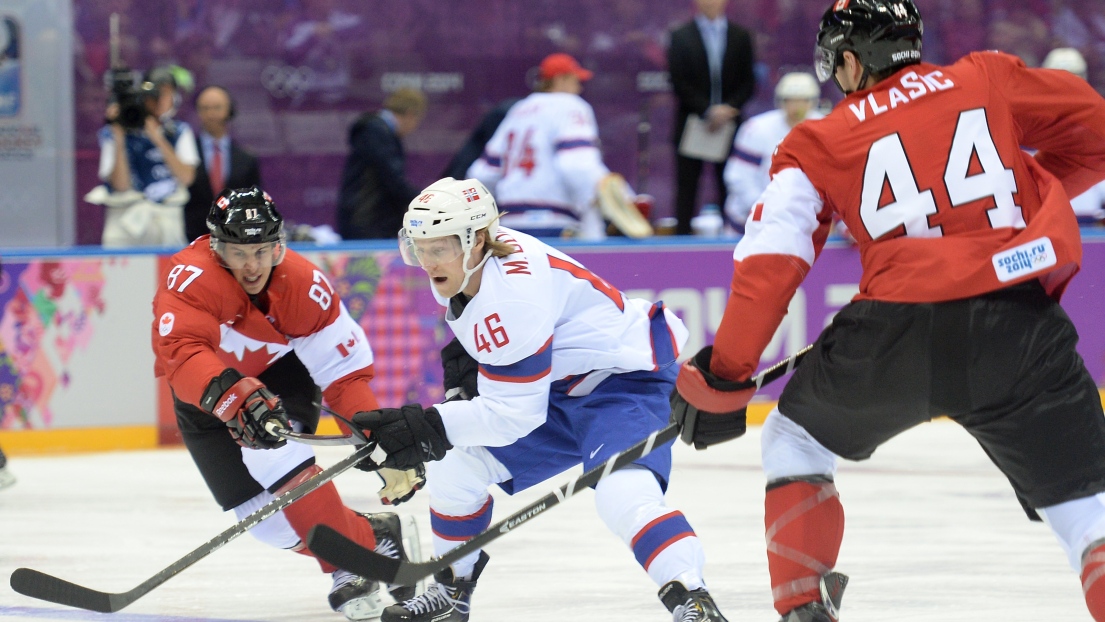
[(205, 322), (929, 171)]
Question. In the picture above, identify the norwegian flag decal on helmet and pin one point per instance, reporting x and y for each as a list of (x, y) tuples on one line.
[(471, 195)]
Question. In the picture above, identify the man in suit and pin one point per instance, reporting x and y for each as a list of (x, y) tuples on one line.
[(375, 191), (710, 60), (223, 163)]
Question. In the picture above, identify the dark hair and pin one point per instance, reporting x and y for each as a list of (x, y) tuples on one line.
[(233, 107)]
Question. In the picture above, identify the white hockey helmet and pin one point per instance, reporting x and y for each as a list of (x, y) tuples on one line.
[(449, 207), (797, 85), (1067, 59)]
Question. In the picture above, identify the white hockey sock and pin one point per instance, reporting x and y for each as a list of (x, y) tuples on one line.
[(631, 504)]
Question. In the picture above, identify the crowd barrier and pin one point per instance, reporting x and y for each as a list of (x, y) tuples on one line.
[(76, 368)]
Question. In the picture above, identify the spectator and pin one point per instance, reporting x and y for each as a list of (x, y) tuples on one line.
[(1089, 206), (796, 96), (147, 161), (710, 60), (375, 191), (545, 165), (223, 162)]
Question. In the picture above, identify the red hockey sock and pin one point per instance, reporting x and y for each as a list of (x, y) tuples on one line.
[(324, 506), (805, 524), (1093, 582)]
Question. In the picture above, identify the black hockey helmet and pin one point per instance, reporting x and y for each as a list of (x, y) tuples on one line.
[(883, 34), (245, 216)]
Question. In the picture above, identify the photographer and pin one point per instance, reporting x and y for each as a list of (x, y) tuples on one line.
[(147, 161)]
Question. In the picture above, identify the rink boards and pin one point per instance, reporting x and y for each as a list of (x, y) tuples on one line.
[(76, 368)]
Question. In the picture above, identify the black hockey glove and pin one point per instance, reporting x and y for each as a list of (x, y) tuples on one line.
[(461, 371), (709, 410), (245, 406), (410, 435)]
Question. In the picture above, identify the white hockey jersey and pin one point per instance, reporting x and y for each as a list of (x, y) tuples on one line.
[(746, 170), (543, 165), (538, 317), (1089, 206)]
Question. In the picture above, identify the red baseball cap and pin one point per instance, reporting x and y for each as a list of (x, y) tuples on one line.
[(559, 64)]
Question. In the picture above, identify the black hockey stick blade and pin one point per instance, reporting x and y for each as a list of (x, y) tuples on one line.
[(50, 588), (344, 553), (45, 587)]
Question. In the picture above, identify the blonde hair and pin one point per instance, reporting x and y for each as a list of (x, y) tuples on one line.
[(496, 247), (406, 101)]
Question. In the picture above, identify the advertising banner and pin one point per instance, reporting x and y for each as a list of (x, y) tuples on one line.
[(75, 329), (36, 123)]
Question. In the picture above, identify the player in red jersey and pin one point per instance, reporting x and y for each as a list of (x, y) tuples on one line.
[(246, 331), (966, 242)]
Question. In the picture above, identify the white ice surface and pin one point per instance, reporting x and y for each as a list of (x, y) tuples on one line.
[(933, 532)]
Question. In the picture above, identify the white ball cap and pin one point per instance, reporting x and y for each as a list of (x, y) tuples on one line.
[(1067, 59), (452, 207), (797, 85)]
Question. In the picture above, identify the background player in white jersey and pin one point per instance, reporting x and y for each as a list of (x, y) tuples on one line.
[(570, 371), (796, 98), (967, 243), (1089, 206), (246, 331), (544, 163)]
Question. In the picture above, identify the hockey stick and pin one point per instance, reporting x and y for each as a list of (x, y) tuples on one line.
[(344, 553), (46, 587)]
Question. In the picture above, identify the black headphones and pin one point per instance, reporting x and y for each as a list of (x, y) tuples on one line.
[(233, 106)]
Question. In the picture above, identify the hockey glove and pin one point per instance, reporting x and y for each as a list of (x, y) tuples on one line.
[(400, 486), (461, 371), (708, 409), (410, 435), (245, 406)]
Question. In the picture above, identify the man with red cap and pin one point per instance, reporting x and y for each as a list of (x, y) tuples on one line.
[(543, 163)]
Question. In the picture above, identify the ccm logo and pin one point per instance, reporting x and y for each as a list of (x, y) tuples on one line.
[(226, 404)]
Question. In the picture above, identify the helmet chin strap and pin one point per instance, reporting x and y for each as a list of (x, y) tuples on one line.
[(468, 272)]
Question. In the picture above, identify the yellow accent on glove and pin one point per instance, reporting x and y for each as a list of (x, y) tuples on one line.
[(400, 486)]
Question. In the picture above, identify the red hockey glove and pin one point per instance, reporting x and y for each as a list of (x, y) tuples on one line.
[(708, 409), (245, 405)]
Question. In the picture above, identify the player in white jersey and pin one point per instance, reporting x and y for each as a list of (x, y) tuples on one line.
[(570, 370), (1089, 206), (544, 161), (746, 172)]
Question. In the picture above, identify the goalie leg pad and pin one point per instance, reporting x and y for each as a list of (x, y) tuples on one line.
[(324, 507), (804, 524), (631, 504)]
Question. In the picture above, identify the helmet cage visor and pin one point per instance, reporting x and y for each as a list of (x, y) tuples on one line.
[(238, 256), (429, 252)]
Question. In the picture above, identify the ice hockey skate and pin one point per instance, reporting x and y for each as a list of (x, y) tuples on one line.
[(448, 599), (396, 537), (689, 605), (358, 598), (828, 609)]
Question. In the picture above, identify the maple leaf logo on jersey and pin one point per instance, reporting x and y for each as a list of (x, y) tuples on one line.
[(471, 195)]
